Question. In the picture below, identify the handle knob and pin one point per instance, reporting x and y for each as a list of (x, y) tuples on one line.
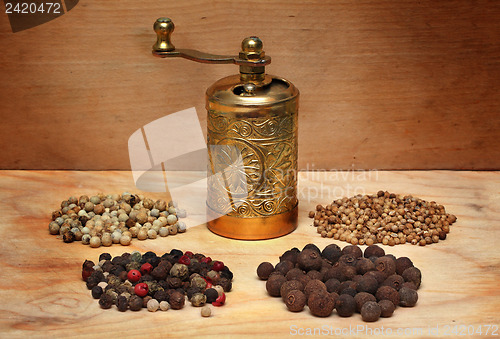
[(163, 28)]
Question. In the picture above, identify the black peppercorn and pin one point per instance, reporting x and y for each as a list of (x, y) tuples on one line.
[(160, 295), (332, 253), (264, 270), (135, 303), (226, 273), (370, 311), (88, 264), (105, 301), (211, 295), (389, 293), (191, 291), (290, 285), (374, 251), (352, 250), (314, 285), (385, 265), (107, 266), (273, 285), (402, 263), (309, 259), (345, 305), (92, 281), (122, 303), (159, 273), (321, 304), (96, 292), (407, 297), (387, 308), (395, 281), (367, 284), (174, 282), (105, 256), (68, 237), (177, 300), (227, 285), (295, 301), (413, 274), (361, 298)]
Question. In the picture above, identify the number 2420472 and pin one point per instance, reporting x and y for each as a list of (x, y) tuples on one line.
[(32, 8)]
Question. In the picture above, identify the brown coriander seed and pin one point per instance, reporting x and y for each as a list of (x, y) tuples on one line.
[(295, 301)]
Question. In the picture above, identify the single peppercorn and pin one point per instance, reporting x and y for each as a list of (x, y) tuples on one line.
[(294, 274), (211, 295), (314, 285), (345, 305), (332, 253), (361, 298), (284, 266), (135, 303), (105, 301), (290, 255), (367, 284), (96, 292), (352, 250), (153, 305), (273, 285), (198, 299), (387, 308), (122, 303), (332, 285), (395, 281), (295, 301), (364, 265), (321, 304), (385, 265), (370, 311), (407, 297), (206, 311), (177, 300), (377, 275), (313, 247), (402, 263)]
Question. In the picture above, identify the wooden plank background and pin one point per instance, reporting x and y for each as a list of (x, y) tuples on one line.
[(384, 84)]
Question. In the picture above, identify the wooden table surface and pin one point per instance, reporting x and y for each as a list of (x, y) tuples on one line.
[(42, 293)]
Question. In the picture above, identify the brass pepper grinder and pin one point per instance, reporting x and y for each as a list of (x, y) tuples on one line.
[(252, 130)]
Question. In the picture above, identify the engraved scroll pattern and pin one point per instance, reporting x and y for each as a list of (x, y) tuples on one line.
[(268, 148)]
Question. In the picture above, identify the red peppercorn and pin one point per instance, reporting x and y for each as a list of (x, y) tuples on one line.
[(141, 289), (86, 272), (218, 266), (207, 260), (146, 268), (134, 275), (184, 260), (209, 282), (220, 300), (189, 254)]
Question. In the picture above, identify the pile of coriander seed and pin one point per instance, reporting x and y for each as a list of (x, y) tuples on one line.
[(104, 220), (386, 218), (345, 280)]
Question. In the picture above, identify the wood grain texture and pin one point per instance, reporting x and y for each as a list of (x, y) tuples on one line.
[(42, 293), (384, 84)]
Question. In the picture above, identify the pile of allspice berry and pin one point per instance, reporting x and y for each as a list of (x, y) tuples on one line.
[(345, 280), (115, 219), (385, 218), (133, 281)]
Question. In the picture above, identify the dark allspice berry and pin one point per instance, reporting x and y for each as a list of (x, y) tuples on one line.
[(407, 297), (290, 255), (294, 274), (332, 285), (309, 259), (273, 285), (364, 265), (314, 285), (290, 285), (105, 301), (413, 274), (367, 284), (332, 253), (395, 281), (387, 308), (295, 301), (374, 251), (284, 266), (385, 265), (389, 293), (379, 276), (312, 247), (348, 260), (313, 274), (352, 250), (345, 305), (321, 304), (402, 263), (264, 270), (135, 303), (361, 298), (370, 311)]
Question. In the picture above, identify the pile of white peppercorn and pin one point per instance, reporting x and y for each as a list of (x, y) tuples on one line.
[(386, 218), (115, 219)]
